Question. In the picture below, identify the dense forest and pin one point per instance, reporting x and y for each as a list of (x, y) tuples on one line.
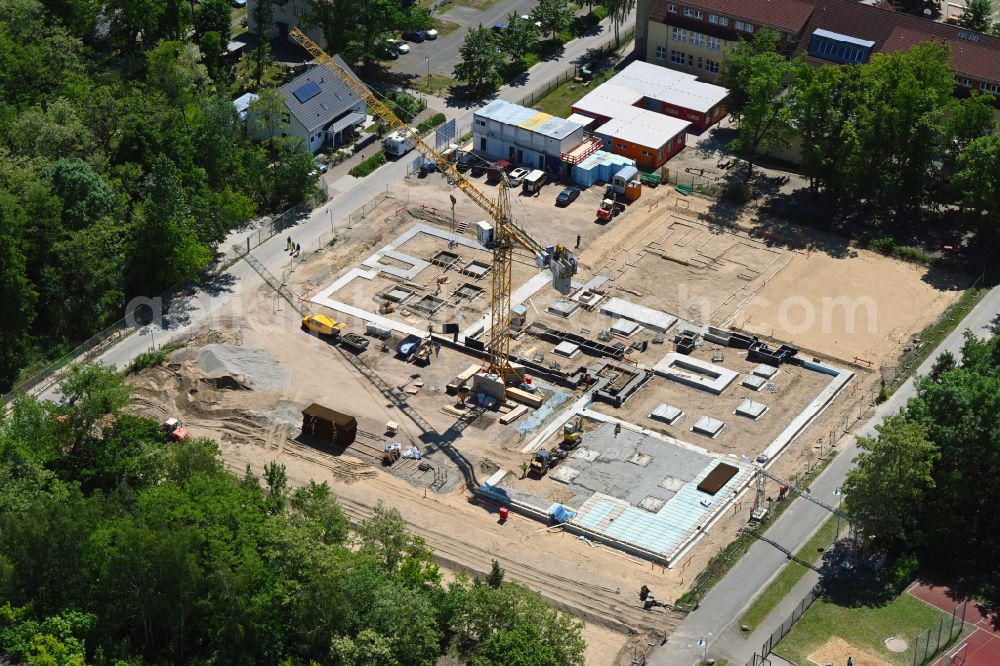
[(122, 162), (927, 485), (119, 548)]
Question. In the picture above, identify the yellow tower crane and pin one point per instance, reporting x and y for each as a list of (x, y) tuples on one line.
[(506, 233)]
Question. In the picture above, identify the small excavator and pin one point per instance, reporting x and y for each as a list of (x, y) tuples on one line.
[(572, 434)]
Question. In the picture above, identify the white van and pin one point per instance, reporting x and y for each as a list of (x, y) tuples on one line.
[(398, 143)]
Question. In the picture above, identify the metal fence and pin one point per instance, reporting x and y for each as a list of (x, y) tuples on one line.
[(760, 658), (573, 70), (937, 638)]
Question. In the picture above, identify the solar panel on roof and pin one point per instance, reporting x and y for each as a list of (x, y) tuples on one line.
[(306, 91)]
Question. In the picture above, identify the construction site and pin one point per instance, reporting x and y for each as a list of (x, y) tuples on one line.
[(620, 446)]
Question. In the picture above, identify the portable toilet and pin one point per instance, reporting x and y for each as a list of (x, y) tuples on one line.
[(632, 190), (622, 177), (484, 232)]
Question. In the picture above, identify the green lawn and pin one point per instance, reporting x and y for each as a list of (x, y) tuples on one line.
[(790, 574), (444, 26), (866, 627), (481, 5), (438, 84), (559, 102)]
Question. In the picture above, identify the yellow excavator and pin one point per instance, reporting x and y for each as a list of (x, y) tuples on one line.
[(558, 259)]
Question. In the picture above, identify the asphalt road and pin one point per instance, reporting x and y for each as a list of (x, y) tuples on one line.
[(443, 51), (715, 620)]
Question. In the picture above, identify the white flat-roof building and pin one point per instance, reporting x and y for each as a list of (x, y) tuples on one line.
[(661, 90), (523, 136)]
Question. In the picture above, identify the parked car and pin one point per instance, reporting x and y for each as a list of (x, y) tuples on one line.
[(479, 167), (430, 34), (567, 196), (395, 48), (239, 3), (497, 169), (499, 27), (320, 168), (515, 177), (466, 162), (525, 17), (414, 36)]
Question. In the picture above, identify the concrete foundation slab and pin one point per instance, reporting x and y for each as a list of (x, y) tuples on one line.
[(563, 308), (661, 322), (765, 371), (708, 426), (625, 328), (651, 504), (695, 373), (641, 459), (750, 409), (586, 454), (567, 349), (753, 382), (666, 414), (565, 474), (671, 484)]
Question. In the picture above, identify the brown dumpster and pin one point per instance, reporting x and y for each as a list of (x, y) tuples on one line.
[(323, 422)]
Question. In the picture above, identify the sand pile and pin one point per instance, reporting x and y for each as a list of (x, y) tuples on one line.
[(239, 367)]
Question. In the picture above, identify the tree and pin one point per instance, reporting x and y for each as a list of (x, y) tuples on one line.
[(758, 74), (554, 15), (277, 486), (383, 537), (970, 119), (91, 394), (77, 16), (267, 117), (942, 364), (977, 15), (520, 646), (495, 579), (619, 12), (520, 37), (175, 68), (893, 475), (168, 250), (822, 105), (977, 181), (358, 30), (368, 648), (901, 127), (263, 19), (481, 61), (17, 298), (85, 195)]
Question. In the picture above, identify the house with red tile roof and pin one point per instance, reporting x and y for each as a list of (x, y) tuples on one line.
[(692, 35)]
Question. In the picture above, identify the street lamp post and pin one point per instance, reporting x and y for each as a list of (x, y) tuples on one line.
[(427, 59)]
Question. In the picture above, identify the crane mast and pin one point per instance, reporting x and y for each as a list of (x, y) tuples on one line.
[(506, 233)]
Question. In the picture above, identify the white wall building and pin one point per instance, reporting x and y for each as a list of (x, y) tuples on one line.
[(522, 136)]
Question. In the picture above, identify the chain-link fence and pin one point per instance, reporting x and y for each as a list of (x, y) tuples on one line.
[(760, 658), (937, 638), (573, 70)]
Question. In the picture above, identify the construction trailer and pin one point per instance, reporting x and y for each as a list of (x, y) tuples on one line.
[(324, 423)]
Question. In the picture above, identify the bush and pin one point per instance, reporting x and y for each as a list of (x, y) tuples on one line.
[(404, 105), (431, 123), (904, 569), (911, 254), (369, 165), (883, 395), (883, 244)]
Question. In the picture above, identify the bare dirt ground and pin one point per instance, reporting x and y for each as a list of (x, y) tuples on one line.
[(860, 304), (255, 426), (837, 650)]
